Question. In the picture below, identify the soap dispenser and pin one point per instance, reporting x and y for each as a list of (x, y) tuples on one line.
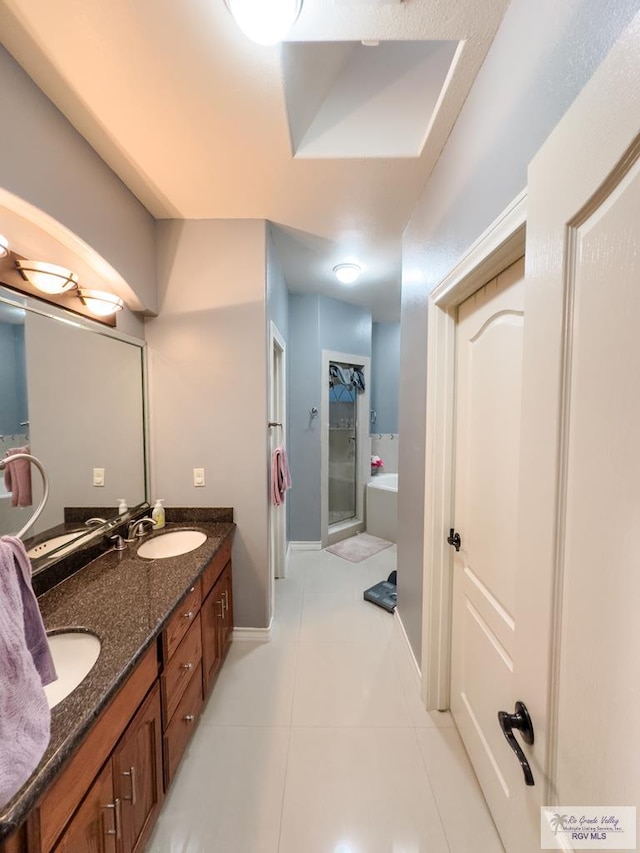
[(122, 506), (157, 514)]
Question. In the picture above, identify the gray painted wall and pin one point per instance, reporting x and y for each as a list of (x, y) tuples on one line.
[(303, 366), (277, 293), (385, 376), (315, 323), (542, 55), (45, 161), (344, 327), (208, 387)]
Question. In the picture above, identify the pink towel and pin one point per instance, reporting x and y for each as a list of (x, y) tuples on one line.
[(17, 478), (25, 717), (280, 476)]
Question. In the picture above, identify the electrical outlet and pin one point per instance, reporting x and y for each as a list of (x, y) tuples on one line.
[(98, 476), (198, 477)]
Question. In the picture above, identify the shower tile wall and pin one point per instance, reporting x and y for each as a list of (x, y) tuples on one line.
[(386, 447)]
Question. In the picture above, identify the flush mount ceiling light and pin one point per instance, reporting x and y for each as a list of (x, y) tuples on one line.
[(4, 247), (347, 273), (99, 302), (265, 21), (49, 278)]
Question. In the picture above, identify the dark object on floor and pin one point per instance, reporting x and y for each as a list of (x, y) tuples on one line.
[(392, 577), (383, 594)]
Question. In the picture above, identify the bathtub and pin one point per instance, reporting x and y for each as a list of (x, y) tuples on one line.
[(382, 506)]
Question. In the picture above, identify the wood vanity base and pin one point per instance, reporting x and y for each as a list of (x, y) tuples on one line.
[(108, 795)]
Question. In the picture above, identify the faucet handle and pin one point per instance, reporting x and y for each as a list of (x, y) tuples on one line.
[(118, 542), (95, 522)]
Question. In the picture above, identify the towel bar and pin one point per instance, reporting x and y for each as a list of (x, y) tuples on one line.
[(45, 486)]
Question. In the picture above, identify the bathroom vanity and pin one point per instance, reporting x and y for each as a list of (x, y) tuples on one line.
[(117, 740)]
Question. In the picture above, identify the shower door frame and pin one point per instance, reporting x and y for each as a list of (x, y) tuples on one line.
[(363, 463)]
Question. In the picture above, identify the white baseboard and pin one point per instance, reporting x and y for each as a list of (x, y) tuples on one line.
[(305, 546), (416, 667), (258, 635)]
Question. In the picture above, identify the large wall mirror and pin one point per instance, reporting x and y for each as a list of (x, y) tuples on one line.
[(73, 392)]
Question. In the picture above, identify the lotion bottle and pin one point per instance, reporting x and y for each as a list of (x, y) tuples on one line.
[(157, 514), (122, 506)]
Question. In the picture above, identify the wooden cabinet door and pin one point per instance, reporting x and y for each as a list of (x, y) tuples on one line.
[(137, 773), (211, 615), (96, 825), (227, 619)]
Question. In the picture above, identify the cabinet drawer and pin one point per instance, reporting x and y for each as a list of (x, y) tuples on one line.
[(179, 669), (181, 621), (215, 567), (182, 726)]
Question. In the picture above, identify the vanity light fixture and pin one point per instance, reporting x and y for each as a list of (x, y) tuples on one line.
[(347, 273), (265, 21), (99, 302), (4, 247), (49, 278)]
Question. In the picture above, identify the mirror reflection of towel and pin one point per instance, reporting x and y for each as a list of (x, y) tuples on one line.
[(17, 478)]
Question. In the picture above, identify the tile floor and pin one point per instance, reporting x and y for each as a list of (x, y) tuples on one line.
[(317, 741)]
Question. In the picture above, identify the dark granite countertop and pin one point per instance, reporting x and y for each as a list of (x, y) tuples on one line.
[(126, 601)]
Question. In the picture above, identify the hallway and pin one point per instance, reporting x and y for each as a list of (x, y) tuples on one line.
[(317, 741)]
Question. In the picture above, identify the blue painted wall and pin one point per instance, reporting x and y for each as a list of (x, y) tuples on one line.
[(13, 379), (385, 376), (315, 323)]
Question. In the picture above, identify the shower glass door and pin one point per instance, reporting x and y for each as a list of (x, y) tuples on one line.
[(343, 452)]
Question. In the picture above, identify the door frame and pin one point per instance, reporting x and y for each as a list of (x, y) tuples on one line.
[(277, 515), (363, 466), (497, 248)]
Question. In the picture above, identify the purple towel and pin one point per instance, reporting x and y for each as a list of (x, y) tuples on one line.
[(25, 717), (17, 478)]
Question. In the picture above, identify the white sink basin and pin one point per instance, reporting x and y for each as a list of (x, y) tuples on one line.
[(171, 544), (74, 654), (56, 542)]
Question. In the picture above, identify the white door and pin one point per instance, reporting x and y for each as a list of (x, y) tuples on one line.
[(489, 337), (277, 437), (578, 591)]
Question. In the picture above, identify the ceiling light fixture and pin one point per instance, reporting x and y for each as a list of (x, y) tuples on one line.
[(4, 247), (100, 303), (265, 22), (347, 273), (49, 278)]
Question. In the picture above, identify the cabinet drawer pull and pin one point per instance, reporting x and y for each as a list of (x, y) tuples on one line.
[(117, 823), (131, 772), (189, 718), (189, 615), (221, 614), (186, 665)]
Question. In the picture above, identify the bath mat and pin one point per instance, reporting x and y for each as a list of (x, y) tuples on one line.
[(359, 548)]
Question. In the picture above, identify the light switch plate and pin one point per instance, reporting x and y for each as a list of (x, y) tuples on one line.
[(98, 476), (198, 477)]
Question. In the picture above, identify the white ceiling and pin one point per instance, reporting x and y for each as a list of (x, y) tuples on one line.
[(199, 122)]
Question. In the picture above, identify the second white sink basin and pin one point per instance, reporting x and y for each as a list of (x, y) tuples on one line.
[(74, 654), (171, 544)]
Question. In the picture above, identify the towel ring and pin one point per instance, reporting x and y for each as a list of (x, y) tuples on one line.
[(45, 486)]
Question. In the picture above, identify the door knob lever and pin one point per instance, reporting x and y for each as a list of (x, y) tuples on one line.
[(521, 721), (454, 539)]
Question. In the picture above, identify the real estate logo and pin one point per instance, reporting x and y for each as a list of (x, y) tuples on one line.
[(588, 827)]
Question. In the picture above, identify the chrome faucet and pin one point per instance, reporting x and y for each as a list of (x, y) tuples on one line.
[(136, 528), (95, 522)]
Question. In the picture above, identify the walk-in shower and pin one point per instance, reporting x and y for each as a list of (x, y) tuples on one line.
[(345, 421)]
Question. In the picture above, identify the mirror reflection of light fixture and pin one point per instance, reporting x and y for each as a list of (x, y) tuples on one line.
[(265, 21), (347, 273), (99, 302), (4, 247), (49, 278)]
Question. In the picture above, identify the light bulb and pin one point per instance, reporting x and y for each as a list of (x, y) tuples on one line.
[(265, 21), (347, 273)]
